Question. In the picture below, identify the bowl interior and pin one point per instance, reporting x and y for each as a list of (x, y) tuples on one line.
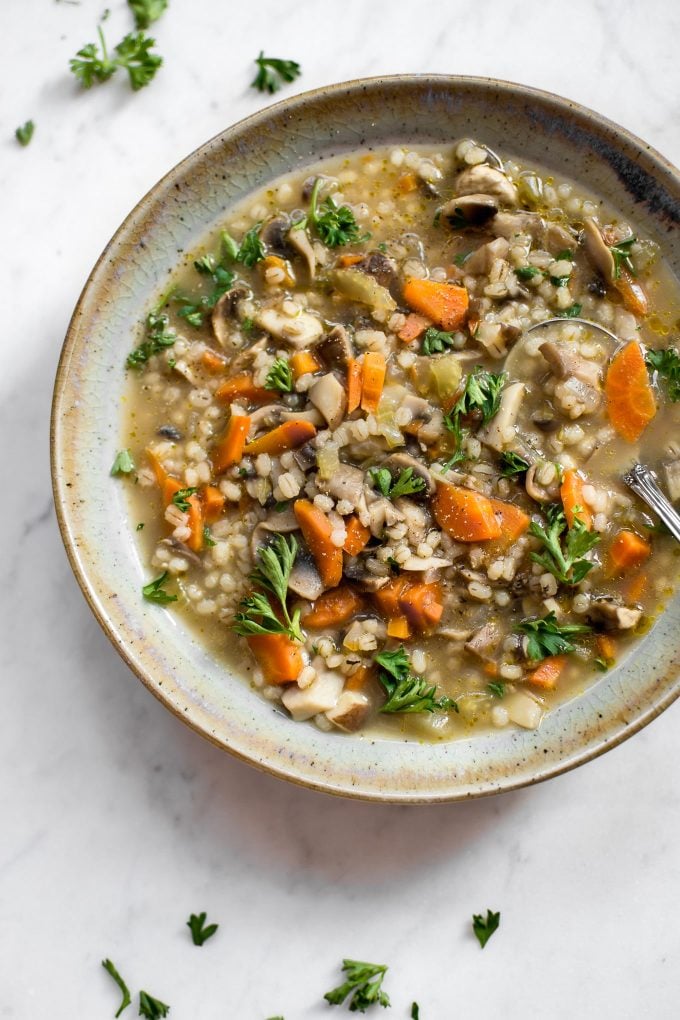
[(90, 391)]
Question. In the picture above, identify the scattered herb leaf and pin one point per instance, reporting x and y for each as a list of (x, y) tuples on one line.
[(667, 364), (435, 341), (123, 464), (481, 396), (208, 540), (512, 464), (621, 255), (363, 984), (484, 928), (272, 73), (334, 224), (280, 377), (527, 272), (147, 11), (140, 526), (257, 615), (563, 554), (24, 133), (405, 485), (125, 991), (497, 688), (405, 691), (200, 931), (547, 637), (181, 498), (153, 591), (152, 1009), (158, 337), (460, 259), (572, 312), (91, 65)]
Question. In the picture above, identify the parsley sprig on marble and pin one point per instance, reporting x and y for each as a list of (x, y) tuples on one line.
[(273, 72), (110, 968), (200, 931), (363, 986), (407, 692), (152, 1008), (24, 133), (258, 615), (92, 63), (147, 11), (485, 927)]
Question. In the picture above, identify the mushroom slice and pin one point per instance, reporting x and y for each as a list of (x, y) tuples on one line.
[(347, 483), (297, 238), (484, 257), (304, 578), (266, 417), (299, 331), (321, 696), (180, 549), (483, 641), (277, 524), (381, 267), (360, 287), (329, 397), (224, 310), (597, 251), (311, 415), (469, 211), (611, 616), (486, 180), (336, 348), (422, 563), (508, 225), (541, 493), (274, 234), (349, 711), (565, 363), (500, 431)]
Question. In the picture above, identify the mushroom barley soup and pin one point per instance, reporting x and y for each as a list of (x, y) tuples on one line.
[(381, 495)]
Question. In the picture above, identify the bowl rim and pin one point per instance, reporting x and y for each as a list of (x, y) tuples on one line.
[(69, 537)]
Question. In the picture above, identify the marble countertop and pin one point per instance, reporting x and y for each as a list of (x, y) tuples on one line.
[(116, 821)]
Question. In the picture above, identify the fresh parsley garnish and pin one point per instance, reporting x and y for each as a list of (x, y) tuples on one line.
[(208, 540), (125, 991), (405, 691), (460, 259), (526, 272), (546, 636), (147, 11), (200, 931), (563, 553), (24, 133), (497, 688), (572, 312), (334, 224), (249, 252), (481, 397), (257, 615), (272, 73), (602, 665), (133, 53), (280, 377), (153, 591), (435, 341), (566, 255), (415, 1011), (181, 498), (158, 337), (363, 983), (405, 485), (193, 310), (621, 255), (512, 464), (667, 364), (123, 464), (559, 281), (152, 1009), (484, 928), (140, 526)]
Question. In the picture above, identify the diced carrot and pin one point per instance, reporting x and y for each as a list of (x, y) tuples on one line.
[(634, 297), (630, 398), (170, 487), (414, 327), (490, 668), (635, 588), (465, 515), (333, 608), (213, 503), (373, 373), (357, 536), (317, 532), (195, 523), (359, 678), (276, 262), (354, 370), (229, 449), (606, 646), (288, 436), (349, 260), (398, 627), (304, 363), (571, 493), (547, 674), (627, 552), (445, 304), (387, 598), (158, 469), (242, 387), (280, 659), (422, 605), (213, 363), (512, 521), (406, 183)]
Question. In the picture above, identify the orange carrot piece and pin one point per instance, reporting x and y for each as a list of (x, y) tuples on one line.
[(387, 598), (547, 674), (158, 469), (635, 588), (465, 515), (634, 297), (606, 646), (280, 659), (422, 605), (349, 260), (242, 387), (398, 627), (333, 608), (213, 363), (630, 398), (490, 668), (512, 521), (373, 373), (213, 503), (276, 262), (359, 678), (195, 523), (627, 552), (357, 536), (353, 385), (288, 436), (229, 449), (414, 327), (445, 303), (571, 493), (317, 531), (304, 363), (406, 183), (170, 487)]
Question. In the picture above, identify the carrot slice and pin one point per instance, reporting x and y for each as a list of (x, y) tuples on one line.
[(634, 297), (628, 552), (414, 327), (317, 531), (213, 503), (373, 373), (398, 627), (280, 659), (288, 436), (229, 449), (636, 587), (213, 363), (422, 605), (349, 260), (353, 385), (406, 183), (571, 493), (465, 515), (242, 387), (490, 668), (158, 469), (630, 398), (547, 674), (359, 678), (170, 487), (304, 363), (606, 646), (387, 598), (333, 608), (512, 521), (357, 536), (445, 303), (195, 523)]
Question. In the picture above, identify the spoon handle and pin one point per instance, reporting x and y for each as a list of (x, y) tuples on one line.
[(642, 480)]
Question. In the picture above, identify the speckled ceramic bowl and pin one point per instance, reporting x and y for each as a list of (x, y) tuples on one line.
[(86, 425)]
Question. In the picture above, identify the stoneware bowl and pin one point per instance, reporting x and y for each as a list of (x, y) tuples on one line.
[(86, 425)]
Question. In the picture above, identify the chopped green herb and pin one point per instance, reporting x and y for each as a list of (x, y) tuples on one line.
[(334, 224), (393, 565), (512, 464), (527, 272), (247, 325), (405, 691), (251, 249), (272, 73), (667, 364), (602, 664), (200, 931), (435, 341), (147, 11), (125, 991), (481, 396), (140, 526), (497, 688), (382, 247), (566, 255), (280, 377), (484, 928), (181, 498), (363, 984), (158, 337), (563, 554), (559, 281), (24, 133), (281, 506), (415, 1011), (461, 258), (153, 591), (152, 1009), (123, 464), (405, 485), (621, 255), (546, 637), (133, 53), (572, 312), (208, 540), (274, 566)]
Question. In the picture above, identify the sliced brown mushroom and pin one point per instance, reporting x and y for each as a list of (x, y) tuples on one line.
[(298, 240), (226, 309), (182, 550), (564, 363), (266, 417), (301, 330), (469, 211), (483, 258), (274, 233), (398, 462), (305, 457), (500, 431), (349, 711), (278, 524), (379, 266), (486, 180), (541, 493), (597, 251), (336, 349), (347, 483), (310, 415), (356, 571), (304, 578), (329, 397), (607, 614), (484, 641)]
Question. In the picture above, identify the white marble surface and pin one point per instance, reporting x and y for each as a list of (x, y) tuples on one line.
[(115, 821)]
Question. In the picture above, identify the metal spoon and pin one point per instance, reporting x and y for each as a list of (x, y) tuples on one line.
[(642, 481), (583, 322)]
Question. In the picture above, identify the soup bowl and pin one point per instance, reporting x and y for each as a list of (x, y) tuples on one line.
[(86, 424)]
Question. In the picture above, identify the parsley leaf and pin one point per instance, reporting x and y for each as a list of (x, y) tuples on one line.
[(572, 312), (334, 224), (208, 540), (250, 251), (460, 259), (194, 309), (435, 341), (512, 464), (89, 66), (123, 464), (158, 337), (153, 591), (200, 931), (621, 255), (667, 364), (273, 72), (546, 637), (405, 485), (181, 498), (152, 1009), (135, 56), (147, 11), (125, 991), (275, 563), (363, 984), (497, 688), (405, 691), (481, 396), (24, 133), (484, 929), (526, 272), (563, 554), (280, 377), (415, 1011)]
